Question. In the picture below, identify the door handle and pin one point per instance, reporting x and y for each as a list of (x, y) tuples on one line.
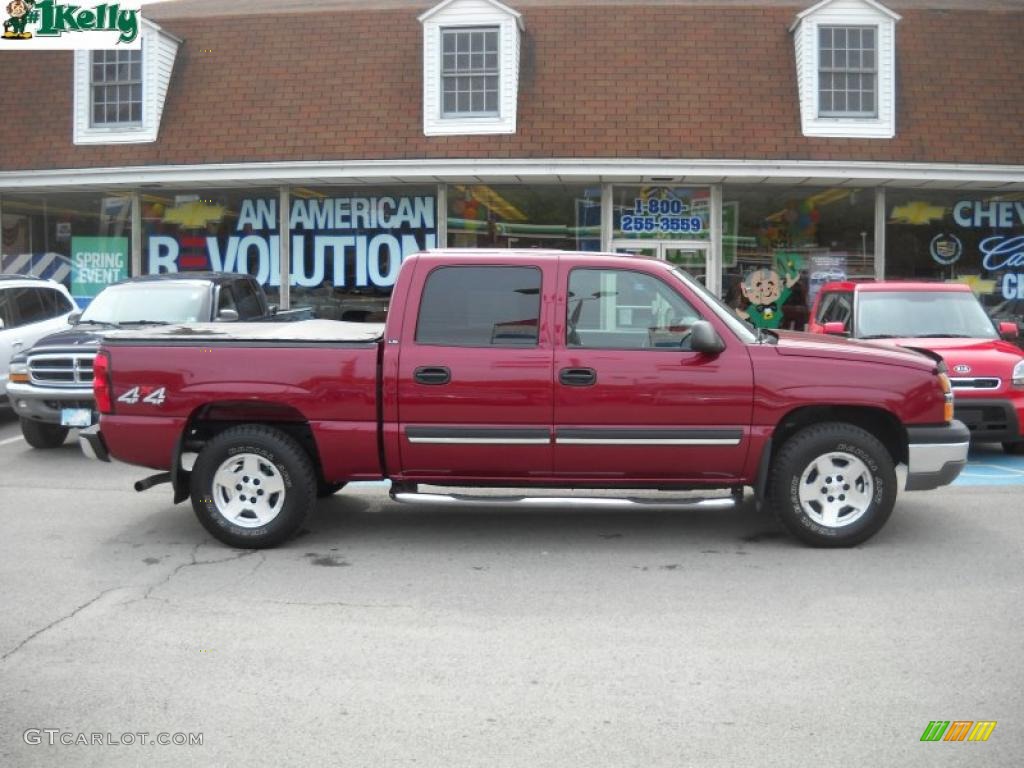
[(434, 375), (578, 377)]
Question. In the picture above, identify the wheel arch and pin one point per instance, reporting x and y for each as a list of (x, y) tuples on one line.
[(210, 419)]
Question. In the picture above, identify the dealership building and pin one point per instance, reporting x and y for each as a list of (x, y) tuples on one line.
[(317, 143)]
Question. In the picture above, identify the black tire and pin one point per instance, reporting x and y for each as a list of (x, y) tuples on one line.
[(1015, 449), (276, 452), (796, 457), (41, 435), (326, 490)]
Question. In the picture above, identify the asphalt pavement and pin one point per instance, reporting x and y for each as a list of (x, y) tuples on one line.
[(391, 636)]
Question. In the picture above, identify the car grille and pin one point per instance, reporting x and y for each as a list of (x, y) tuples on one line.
[(61, 370), (991, 383)]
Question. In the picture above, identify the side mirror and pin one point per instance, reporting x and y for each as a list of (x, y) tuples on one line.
[(835, 329), (227, 315), (704, 338), (1008, 330), (74, 317)]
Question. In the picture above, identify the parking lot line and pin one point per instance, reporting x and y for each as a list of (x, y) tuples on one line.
[(10, 440)]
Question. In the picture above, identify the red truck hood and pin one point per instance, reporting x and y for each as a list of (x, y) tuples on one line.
[(817, 345), (982, 357)]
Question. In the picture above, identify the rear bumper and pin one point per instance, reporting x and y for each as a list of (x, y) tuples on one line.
[(45, 403), (92, 444), (936, 455), (990, 420)]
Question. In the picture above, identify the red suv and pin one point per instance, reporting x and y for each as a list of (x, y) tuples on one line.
[(945, 320)]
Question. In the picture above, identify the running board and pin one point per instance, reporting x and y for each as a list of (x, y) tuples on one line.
[(406, 497)]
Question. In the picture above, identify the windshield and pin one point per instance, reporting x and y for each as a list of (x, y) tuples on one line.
[(183, 302), (935, 314), (720, 308)]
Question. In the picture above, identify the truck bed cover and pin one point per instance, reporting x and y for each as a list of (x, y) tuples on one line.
[(326, 331)]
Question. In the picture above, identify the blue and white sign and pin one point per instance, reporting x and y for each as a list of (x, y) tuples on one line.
[(349, 241)]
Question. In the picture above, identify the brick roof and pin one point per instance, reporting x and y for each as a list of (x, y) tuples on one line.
[(659, 79)]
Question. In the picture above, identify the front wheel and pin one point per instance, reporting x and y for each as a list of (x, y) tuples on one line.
[(39, 434), (833, 485), (252, 486)]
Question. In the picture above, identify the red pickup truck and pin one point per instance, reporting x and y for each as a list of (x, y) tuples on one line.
[(526, 369)]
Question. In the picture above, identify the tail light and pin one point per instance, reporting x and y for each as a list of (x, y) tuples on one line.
[(101, 383)]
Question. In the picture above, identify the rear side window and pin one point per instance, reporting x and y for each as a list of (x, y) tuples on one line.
[(838, 310), (7, 307), (249, 304), (31, 306), (480, 307)]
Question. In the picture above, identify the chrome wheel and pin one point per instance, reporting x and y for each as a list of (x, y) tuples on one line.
[(836, 489), (248, 490)]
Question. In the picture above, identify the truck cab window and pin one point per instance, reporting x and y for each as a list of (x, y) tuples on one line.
[(620, 309), (480, 307), (249, 304)]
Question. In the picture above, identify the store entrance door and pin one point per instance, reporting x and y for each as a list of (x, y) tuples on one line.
[(693, 257)]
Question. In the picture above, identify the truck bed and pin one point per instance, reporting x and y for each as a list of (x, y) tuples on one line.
[(322, 373)]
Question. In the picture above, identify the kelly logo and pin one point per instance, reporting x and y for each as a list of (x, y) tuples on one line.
[(51, 25), (958, 730)]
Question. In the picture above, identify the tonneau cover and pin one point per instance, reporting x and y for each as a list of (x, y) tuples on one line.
[(300, 331)]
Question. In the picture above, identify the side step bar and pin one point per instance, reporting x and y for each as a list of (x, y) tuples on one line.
[(407, 497)]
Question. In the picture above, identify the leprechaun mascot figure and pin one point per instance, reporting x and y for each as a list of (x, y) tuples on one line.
[(14, 27)]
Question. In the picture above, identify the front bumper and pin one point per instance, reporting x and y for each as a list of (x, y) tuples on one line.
[(45, 403), (936, 455), (990, 420), (92, 443)]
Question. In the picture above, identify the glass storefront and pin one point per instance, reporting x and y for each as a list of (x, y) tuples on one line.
[(82, 240), (781, 243), (564, 217), (970, 237)]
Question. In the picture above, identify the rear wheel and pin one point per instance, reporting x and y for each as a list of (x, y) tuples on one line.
[(252, 486), (1014, 448), (833, 485), (38, 434)]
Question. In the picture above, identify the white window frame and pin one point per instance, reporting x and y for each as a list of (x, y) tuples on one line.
[(128, 124), (460, 15), (806, 37), (469, 114), (159, 50)]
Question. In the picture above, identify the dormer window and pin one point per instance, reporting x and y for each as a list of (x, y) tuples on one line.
[(119, 93), (846, 69), (470, 68), (470, 76), (847, 72), (116, 86)]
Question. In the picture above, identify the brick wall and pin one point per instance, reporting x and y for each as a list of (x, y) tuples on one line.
[(658, 81)]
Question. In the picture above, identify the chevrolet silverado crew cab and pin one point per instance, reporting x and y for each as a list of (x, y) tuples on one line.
[(545, 370), (947, 321), (50, 385)]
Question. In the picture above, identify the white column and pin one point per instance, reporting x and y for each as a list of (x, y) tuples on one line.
[(136, 265), (880, 220), (714, 267), (607, 217), (442, 215), (285, 236)]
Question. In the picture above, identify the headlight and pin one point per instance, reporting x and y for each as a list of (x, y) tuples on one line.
[(19, 373), (1018, 374), (947, 392)]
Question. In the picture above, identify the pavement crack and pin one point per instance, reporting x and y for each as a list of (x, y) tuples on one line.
[(194, 562), (334, 604), (55, 622)]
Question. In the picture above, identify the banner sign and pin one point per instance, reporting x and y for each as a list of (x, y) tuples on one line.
[(349, 241), (97, 262)]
